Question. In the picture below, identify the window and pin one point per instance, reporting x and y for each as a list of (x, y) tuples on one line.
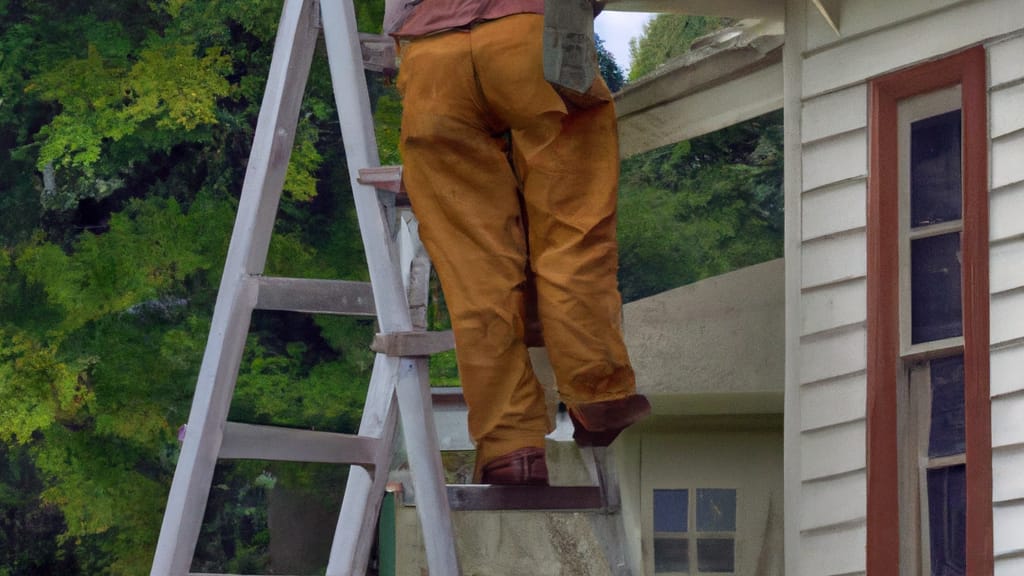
[(695, 531), (931, 402), (933, 473), (929, 438)]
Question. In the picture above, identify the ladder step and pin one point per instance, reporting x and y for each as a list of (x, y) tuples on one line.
[(552, 498), (378, 53), (254, 442), (413, 343), (383, 178), (315, 296)]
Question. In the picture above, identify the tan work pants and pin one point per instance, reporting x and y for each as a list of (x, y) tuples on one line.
[(502, 177)]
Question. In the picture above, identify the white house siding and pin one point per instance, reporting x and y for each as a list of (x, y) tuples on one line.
[(832, 327), (879, 37), (859, 17), (886, 36), (1006, 283), (833, 351)]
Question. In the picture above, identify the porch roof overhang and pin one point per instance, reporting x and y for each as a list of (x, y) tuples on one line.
[(765, 9), (726, 78)]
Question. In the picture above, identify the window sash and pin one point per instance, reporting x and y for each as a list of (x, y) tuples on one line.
[(909, 111)]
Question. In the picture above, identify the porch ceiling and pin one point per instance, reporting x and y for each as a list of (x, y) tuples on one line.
[(767, 9)]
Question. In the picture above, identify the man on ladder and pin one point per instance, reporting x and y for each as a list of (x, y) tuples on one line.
[(515, 190)]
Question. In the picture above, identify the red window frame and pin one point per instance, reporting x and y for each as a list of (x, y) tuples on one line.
[(966, 68)]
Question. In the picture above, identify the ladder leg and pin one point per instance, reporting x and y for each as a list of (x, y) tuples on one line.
[(417, 413), (364, 491), (275, 132), (414, 406), (341, 38)]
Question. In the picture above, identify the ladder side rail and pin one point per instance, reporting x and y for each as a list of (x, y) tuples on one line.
[(344, 56), (272, 144), (364, 492), (417, 412), (353, 103)]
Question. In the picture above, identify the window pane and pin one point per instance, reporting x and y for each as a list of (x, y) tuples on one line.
[(715, 555), (670, 510), (935, 169), (671, 555), (946, 515), (716, 510), (935, 288), (947, 430)]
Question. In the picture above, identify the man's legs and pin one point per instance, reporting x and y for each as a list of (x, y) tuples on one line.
[(463, 91), (466, 198), (570, 166)]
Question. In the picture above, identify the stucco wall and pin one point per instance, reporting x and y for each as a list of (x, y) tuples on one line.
[(712, 347)]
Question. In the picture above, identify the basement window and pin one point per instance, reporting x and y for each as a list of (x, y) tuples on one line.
[(695, 531)]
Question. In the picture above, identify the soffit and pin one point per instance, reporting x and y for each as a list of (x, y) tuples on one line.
[(765, 9)]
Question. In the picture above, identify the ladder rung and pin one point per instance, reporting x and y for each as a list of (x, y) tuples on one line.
[(315, 296), (383, 178), (413, 343), (378, 53), (253, 442), (495, 497)]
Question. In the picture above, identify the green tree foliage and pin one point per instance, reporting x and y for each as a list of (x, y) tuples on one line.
[(666, 36), (702, 207), (610, 70), (125, 130)]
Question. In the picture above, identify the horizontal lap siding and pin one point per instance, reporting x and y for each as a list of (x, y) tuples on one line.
[(831, 402), (1007, 481), (1006, 282), (834, 209), (859, 17), (835, 551), (1006, 205), (833, 259), (834, 306), (1007, 152), (1013, 566), (833, 346), (1007, 367), (834, 502), (855, 58)]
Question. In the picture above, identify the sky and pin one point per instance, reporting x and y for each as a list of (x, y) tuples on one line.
[(616, 28)]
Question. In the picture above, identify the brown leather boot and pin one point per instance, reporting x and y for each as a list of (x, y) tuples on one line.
[(523, 467), (599, 423)]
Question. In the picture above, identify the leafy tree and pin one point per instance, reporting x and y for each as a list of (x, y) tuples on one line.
[(610, 70), (666, 36), (124, 133), (702, 207)]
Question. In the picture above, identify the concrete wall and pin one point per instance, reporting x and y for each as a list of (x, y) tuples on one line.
[(712, 347)]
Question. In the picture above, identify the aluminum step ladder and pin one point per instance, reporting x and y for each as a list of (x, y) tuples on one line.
[(399, 377), (396, 295)]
